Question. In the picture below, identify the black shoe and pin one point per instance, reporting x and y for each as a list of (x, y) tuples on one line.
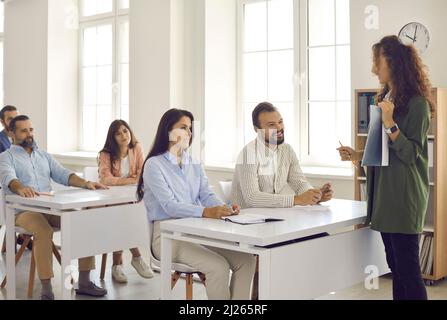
[(91, 289)]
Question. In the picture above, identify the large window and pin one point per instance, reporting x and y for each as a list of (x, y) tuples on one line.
[(104, 68), (296, 54)]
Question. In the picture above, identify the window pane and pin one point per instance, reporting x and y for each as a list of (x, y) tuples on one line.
[(103, 121), (255, 77), (280, 24), (124, 4), (124, 113), (89, 87), (89, 127), (89, 54), (322, 73), (343, 73), (124, 42), (94, 7), (280, 75), (343, 22), (343, 123), (104, 85), (322, 134), (321, 22), (104, 45), (249, 132), (124, 84), (255, 25)]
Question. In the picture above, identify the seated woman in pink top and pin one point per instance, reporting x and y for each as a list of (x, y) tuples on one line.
[(120, 163)]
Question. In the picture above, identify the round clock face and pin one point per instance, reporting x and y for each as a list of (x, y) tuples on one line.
[(416, 34)]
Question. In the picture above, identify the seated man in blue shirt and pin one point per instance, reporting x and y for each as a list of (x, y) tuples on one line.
[(6, 115), (26, 170)]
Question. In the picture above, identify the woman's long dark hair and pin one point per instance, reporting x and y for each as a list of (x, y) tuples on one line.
[(161, 141), (408, 74), (111, 147)]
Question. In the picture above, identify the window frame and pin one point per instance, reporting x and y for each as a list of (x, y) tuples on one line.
[(113, 18), (301, 82)]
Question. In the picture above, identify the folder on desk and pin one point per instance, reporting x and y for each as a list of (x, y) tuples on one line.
[(250, 218), (376, 152)]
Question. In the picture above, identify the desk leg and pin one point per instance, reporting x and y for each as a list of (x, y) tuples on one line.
[(10, 254), (264, 276), (66, 285), (165, 270)]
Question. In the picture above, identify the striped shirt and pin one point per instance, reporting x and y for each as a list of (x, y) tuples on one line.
[(267, 177)]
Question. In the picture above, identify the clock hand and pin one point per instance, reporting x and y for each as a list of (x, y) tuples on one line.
[(409, 37), (415, 33)]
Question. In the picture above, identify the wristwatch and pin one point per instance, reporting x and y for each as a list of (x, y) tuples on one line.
[(392, 129)]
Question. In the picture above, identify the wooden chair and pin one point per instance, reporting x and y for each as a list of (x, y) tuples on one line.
[(28, 238), (179, 270)]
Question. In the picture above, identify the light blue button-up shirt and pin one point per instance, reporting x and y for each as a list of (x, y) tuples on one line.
[(173, 192), (33, 170)]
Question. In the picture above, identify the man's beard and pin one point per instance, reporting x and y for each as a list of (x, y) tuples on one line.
[(273, 140), (27, 143)]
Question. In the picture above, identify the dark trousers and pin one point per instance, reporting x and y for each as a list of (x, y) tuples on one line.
[(402, 255)]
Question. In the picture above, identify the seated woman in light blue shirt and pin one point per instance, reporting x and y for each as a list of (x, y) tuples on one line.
[(173, 186)]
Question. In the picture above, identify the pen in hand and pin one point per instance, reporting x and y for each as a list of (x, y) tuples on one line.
[(353, 162)]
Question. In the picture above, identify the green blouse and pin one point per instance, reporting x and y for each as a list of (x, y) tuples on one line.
[(398, 194)]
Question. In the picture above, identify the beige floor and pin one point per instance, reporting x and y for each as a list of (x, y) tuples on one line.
[(138, 288)]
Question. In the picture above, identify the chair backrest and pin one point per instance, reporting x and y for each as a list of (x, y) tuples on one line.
[(91, 174), (225, 186)]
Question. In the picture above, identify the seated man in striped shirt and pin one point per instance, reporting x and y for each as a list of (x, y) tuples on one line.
[(268, 174)]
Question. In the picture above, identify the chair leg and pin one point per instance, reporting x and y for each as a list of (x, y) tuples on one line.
[(189, 286), (57, 254), (18, 256), (32, 275), (4, 245), (174, 278), (255, 287), (103, 266)]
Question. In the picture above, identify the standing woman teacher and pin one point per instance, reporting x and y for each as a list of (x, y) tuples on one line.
[(398, 194)]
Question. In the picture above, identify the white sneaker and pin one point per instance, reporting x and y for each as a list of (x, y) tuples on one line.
[(118, 274), (142, 268)]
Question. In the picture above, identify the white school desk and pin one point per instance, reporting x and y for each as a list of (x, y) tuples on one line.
[(92, 223), (302, 270)]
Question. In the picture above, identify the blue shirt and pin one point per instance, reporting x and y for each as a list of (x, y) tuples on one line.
[(172, 192), (4, 141), (33, 170)]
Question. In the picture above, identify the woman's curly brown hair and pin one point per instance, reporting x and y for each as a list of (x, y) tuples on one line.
[(408, 74)]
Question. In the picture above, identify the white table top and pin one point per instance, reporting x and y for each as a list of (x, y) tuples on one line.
[(79, 198), (298, 223)]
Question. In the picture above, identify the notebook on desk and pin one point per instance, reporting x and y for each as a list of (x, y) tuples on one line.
[(250, 218)]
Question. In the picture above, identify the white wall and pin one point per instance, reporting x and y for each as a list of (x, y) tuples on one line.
[(221, 80), (149, 66), (25, 61), (62, 86), (393, 16), (41, 69)]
